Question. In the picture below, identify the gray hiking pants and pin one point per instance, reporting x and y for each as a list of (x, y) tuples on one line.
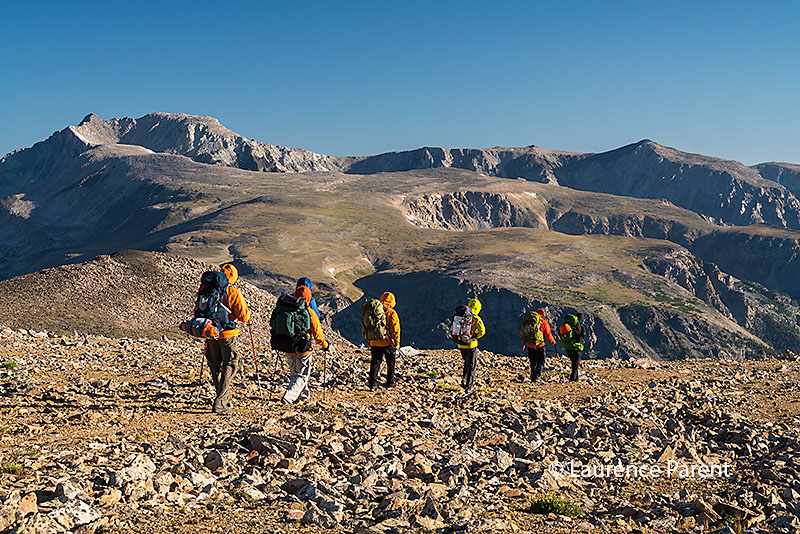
[(223, 362), (300, 369)]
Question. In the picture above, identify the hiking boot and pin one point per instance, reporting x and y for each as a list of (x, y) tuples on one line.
[(390, 385)]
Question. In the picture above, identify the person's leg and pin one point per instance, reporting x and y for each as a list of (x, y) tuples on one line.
[(230, 365), (305, 371), (575, 357), (538, 356), (532, 361), (299, 381), (376, 358), (292, 360), (391, 358), (470, 363), (465, 355), (214, 359)]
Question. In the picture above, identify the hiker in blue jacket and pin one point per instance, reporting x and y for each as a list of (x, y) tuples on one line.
[(310, 285)]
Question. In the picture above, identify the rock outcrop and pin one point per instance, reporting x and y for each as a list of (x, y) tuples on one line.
[(721, 190)]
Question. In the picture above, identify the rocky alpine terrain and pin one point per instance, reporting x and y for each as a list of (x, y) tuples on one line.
[(685, 419), (101, 434)]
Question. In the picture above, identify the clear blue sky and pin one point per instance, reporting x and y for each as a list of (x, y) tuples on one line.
[(720, 78)]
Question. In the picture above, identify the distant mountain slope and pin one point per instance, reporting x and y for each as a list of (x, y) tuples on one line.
[(130, 293), (786, 174), (202, 139), (722, 190), (652, 276)]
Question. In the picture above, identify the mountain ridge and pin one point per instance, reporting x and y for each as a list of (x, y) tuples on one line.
[(579, 231)]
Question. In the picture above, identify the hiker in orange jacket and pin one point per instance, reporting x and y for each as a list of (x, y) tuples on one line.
[(536, 355), (300, 362), (385, 348), (221, 354)]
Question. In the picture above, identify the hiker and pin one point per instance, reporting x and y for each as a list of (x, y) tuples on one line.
[(221, 353), (467, 328), (572, 335), (294, 327), (380, 326), (535, 331), (310, 285)]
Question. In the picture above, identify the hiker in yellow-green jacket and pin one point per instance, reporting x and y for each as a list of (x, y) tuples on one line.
[(467, 328)]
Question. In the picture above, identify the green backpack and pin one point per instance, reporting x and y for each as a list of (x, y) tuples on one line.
[(531, 333), (569, 333), (373, 321)]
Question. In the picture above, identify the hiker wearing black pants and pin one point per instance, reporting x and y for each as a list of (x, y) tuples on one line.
[(536, 353), (572, 335), (468, 343), (381, 329)]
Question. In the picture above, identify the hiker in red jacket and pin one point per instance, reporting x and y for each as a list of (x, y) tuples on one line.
[(536, 354)]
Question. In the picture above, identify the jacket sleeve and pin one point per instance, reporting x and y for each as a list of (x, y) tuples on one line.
[(581, 334), (316, 329), (478, 329), (547, 333), (393, 323), (238, 306)]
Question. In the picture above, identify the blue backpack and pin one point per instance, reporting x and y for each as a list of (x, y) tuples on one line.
[(211, 314)]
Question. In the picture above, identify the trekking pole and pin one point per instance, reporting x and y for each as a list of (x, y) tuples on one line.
[(200, 380), (277, 370), (255, 361), (324, 365)]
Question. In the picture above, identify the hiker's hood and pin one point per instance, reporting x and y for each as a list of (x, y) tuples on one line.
[(387, 299), (231, 272), (571, 320), (304, 292), (542, 313), (305, 282), (474, 305)]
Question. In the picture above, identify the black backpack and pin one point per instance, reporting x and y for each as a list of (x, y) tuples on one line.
[(211, 315), (289, 325)]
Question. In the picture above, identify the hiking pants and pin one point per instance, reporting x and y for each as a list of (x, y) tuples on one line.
[(223, 362), (470, 363), (378, 354), (575, 357), (300, 368), (536, 356)]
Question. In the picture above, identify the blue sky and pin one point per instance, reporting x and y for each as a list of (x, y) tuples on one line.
[(720, 78)]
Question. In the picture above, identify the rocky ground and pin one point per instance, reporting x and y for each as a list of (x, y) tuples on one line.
[(107, 435)]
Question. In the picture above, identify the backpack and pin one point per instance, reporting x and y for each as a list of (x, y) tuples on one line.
[(373, 321), (461, 329), (570, 336), (531, 333), (211, 315), (289, 325)]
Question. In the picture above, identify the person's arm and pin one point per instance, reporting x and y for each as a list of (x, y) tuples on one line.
[(547, 332), (316, 330), (239, 307), (393, 323), (478, 329)]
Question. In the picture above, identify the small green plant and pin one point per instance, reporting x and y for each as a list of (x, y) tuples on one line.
[(11, 468), (448, 387), (10, 365), (554, 505), (242, 496), (432, 374)]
